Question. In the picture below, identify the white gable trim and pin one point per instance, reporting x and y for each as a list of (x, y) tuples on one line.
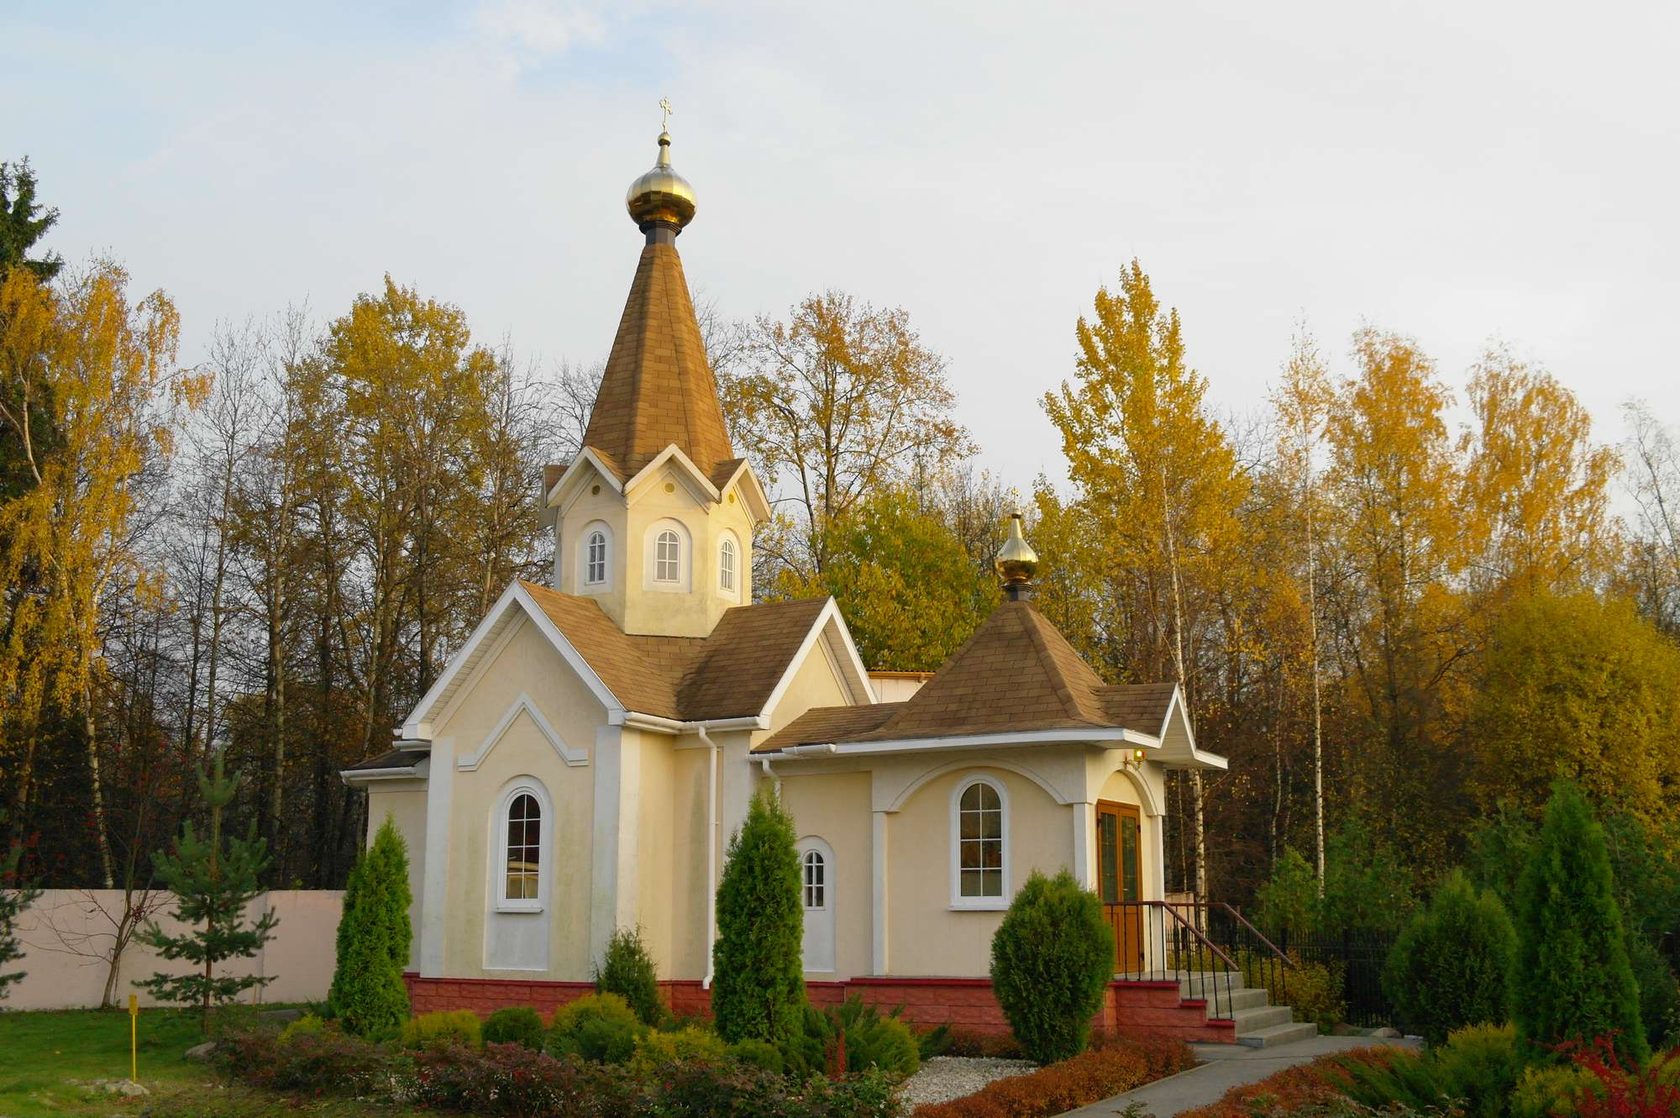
[(844, 657), (522, 703), (1188, 757), (758, 501), (673, 454), (484, 638), (587, 459)]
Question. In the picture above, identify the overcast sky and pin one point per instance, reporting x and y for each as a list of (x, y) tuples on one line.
[(1458, 172)]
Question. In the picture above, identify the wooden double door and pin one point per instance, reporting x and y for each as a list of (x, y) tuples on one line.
[(1120, 880)]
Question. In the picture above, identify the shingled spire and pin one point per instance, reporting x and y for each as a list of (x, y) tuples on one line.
[(658, 388)]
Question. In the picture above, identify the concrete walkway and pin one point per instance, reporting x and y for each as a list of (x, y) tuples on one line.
[(1224, 1066)]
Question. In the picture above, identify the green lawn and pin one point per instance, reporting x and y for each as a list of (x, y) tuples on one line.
[(46, 1057), (46, 1060)]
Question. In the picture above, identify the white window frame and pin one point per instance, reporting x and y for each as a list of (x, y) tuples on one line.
[(524, 786), (729, 566), (978, 904), (667, 537), (589, 533), (685, 557)]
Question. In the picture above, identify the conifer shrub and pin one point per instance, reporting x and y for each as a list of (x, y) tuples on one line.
[(1449, 967), (309, 1025), (368, 997), (757, 1054), (1052, 956), (1480, 1065), (1659, 994), (443, 1029), (689, 1044), (627, 970), (519, 1024), (758, 988), (598, 1027), (1550, 1091), (873, 1039), (1572, 981)]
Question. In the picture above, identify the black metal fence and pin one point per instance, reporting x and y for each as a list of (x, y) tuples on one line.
[(1360, 955)]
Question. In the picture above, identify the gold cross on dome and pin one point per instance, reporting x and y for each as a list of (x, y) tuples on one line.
[(665, 107)]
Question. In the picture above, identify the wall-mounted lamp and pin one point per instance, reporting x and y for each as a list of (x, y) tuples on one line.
[(1137, 756)]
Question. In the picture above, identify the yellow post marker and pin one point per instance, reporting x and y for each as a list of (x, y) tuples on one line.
[(134, 1038)]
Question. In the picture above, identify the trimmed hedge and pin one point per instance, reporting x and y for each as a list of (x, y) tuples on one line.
[(597, 1027), (442, 1029), (507, 1079), (518, 1024), (1114, 1066), (1052, 957)]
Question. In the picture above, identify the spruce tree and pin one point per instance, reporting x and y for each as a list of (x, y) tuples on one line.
[(1572, 981), (368, 996), (14, 898), (23, 222), (213, 879), (758, 984)]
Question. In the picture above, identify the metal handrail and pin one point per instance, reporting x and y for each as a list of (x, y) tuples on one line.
[(1258, 934), (1196, 932)]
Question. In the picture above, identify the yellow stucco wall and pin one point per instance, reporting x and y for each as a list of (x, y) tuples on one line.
[(925, 935), (526, 664), (835, 808)]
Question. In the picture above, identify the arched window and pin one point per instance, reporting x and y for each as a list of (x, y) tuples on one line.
[(667, 557), (521, 842), (595, 558), (816, 896), (979, 845), (726, 566)]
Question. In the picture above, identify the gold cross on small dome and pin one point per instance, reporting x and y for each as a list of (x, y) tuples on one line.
[(665, 107)]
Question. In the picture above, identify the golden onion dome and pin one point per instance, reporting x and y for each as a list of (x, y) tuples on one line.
[(1016, 562), (661, 195)]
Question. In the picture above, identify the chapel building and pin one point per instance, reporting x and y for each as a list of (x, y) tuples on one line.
[(581, 762)]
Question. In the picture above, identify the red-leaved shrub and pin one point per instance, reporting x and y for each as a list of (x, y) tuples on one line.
[(1115, 1065), (1628, 1092)]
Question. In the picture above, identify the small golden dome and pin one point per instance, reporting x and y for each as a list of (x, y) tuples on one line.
[(661, 195), (1016, 562)]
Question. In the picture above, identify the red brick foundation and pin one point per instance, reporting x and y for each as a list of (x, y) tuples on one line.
[(1153, 1008)]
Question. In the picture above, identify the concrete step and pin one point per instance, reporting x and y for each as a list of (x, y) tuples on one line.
[(1203, 984), (1249, 999), (1274, 1035), (1263, 1017)]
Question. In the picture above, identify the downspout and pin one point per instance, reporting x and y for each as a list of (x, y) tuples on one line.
[(711, 849), (775, 781)]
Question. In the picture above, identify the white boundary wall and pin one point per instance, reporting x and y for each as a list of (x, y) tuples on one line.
[(66, 930)]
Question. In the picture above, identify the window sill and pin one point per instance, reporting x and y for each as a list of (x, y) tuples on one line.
[(516, 907), (981, 906)]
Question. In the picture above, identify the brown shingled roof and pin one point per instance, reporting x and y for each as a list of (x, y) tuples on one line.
[(1015, 674), (729, 674), (657, 388)]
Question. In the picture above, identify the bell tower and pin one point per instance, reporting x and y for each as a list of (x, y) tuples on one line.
[(655, 517)]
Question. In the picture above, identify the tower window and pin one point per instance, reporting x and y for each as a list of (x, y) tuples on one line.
[(667, 557), (726, 566), (595, 559)]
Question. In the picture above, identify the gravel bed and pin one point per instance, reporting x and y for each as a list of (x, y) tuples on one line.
[(943, 1078)]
